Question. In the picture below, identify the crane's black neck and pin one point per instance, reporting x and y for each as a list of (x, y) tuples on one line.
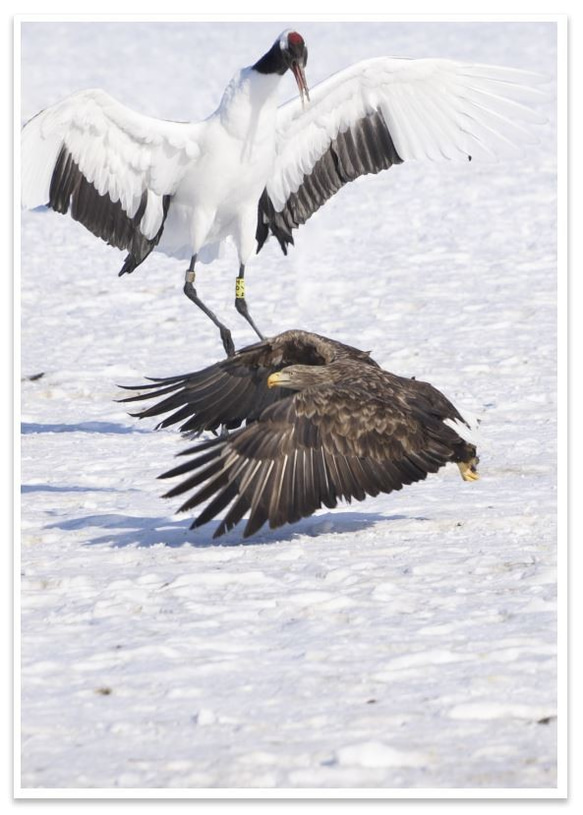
[(272, 62)]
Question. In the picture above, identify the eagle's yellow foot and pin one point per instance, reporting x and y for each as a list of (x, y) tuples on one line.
[(468, 470)]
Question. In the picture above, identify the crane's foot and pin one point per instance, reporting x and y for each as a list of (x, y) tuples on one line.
[(190, 292), (228, 343), (243, 309)]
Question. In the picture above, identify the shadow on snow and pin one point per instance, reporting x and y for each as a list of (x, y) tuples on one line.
[(26, 488), (125, 530), (29, 428)]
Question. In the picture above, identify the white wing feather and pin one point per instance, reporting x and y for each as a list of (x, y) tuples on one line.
[(434, 109), (121, 152)]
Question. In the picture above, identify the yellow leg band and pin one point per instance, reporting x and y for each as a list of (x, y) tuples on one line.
[(240, 288)]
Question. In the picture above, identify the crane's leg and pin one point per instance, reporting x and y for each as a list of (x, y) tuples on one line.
[(190, 292), (241, 303)]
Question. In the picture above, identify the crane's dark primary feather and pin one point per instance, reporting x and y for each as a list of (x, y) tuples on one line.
[(364, 148), (106, 219)]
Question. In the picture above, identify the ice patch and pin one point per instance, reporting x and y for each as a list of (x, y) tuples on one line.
[(379, 754)]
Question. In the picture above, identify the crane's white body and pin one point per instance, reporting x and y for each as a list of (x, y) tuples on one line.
[(217, 195)]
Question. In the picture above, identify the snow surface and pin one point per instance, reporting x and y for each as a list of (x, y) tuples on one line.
[(405, 642)]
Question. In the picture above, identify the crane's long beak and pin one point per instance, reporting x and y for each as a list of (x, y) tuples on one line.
[(300, 78)]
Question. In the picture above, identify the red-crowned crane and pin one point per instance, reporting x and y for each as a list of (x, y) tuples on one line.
[(253, 168)]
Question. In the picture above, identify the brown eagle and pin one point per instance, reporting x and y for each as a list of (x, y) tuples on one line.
[(317, 421)]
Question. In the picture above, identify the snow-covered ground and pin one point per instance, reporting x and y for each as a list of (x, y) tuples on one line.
[(405, 642)]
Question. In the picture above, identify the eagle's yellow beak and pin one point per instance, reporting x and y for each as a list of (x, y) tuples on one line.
[(273, 379)]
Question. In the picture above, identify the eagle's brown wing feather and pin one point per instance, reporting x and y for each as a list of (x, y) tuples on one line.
[(370, 433)]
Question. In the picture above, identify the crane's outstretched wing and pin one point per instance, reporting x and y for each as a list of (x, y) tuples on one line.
[(113, 169), (385, 111)]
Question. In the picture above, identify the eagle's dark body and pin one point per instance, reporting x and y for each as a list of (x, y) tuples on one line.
[(322, 422)]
